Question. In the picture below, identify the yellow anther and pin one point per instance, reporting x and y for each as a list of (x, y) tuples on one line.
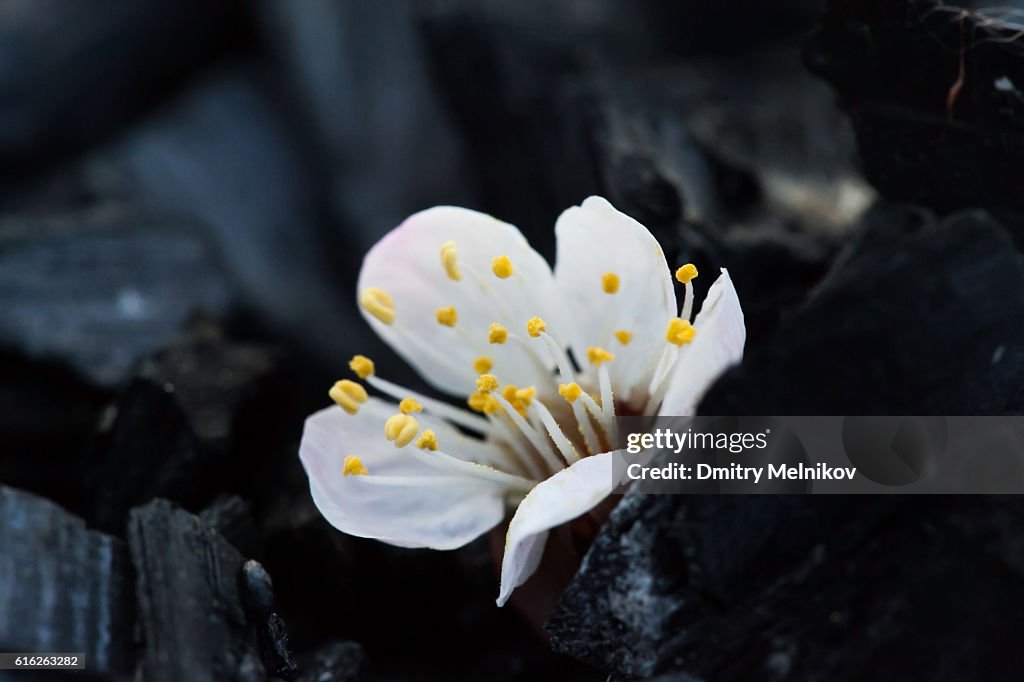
[(598, 356), (502, 267), (447, 316), (497, 333), (526, 395), (361, 365), (401, 429), (353, 466), (483, 364), (450, 261), (610, 282), (348, 394), (624, 337), (427, 440), (378, 303), (409, 405), (535, 325), (482, 401), (487, 383), (686, 273), (679, 332), (570, 391)]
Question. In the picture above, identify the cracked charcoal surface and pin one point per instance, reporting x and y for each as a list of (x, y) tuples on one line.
[(77, 600)]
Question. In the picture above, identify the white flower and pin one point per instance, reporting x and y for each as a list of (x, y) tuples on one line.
[(547, 361)]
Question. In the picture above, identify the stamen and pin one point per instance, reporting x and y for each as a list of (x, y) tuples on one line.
[(427, 440), (353, 466), (686, 273), (680, 332), (445, 462), (378, 303), (534, 327), (447, 316), (554, 430), (483, 364), (401, 429), (487, 383), (598, 356), (502, 267), (348, 395), (566, 373), (483, 402), (624, 337), (497, 333), (436, 407), (540, 444), (570, 391), (610, 282), (409, 405), (450, 261), (361, 365), (608, 405)]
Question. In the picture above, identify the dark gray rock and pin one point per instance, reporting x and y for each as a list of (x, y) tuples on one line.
[(192, 622), (232, 517), (63, 588), (64, 78), (916, 317), (180, 428), (97, 290)]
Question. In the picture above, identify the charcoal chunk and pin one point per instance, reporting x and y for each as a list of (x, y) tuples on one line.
[(192, 622), (917, 316), (98, 290), (334, 662), (935, 97), (176, 433), (63, 588)]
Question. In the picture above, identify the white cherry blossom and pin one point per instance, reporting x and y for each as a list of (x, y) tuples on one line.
[(546, 361)]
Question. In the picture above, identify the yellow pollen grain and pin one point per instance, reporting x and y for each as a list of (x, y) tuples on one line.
[(686, 273), (487, 383), (447, 316), (511, 393), (450, 261), (624, 337), (361, 365), (348, 395), (427, 440), (483, 364), (353, 466), (570, 391), (378, 303), (679, 332), (526, 395), (497, 333), (502, 267), (610, 282), (401, 429), (598, 356), (534, 326), (484, 402), (409, 405)]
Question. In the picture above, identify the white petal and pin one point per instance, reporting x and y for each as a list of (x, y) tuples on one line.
[(406, 264), (594, 239), (717, 346), (402, 501), (566, 495)]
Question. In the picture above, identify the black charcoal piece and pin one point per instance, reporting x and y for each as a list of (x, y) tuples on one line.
[(63, 588), (192, 622), (98, 290)]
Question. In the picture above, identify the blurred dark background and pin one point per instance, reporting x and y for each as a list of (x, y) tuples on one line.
[(188, 188)]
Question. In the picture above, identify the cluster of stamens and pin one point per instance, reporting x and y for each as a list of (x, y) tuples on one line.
[(516, 417)]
